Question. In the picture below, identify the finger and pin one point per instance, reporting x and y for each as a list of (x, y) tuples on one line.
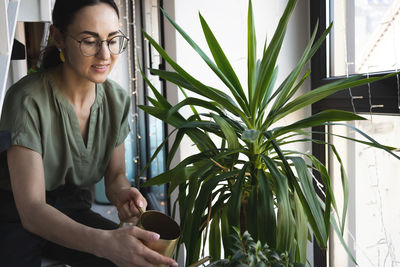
[(135, 210), (142, 234), (138, 198), (124, 212), (149, 254), (142, 261), (156, 258)]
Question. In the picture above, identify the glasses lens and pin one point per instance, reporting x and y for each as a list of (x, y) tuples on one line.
[(90, 46), (117, 44)]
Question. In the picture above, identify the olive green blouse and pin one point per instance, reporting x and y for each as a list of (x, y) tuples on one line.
[(40, 118)]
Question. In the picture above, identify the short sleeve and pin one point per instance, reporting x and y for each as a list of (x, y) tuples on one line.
[(20, 116), (124, 126)]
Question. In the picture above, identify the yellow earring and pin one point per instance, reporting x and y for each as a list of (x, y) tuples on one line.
[(62, 58)]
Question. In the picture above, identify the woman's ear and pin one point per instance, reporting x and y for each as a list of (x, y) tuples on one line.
[(57, 37)]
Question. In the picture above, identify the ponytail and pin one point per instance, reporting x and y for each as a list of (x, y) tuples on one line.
[(51, 57)]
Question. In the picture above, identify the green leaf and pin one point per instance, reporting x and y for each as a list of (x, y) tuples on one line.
[(345, 188), (268, 61), (339, 235), (251, 53), (225, 233), (157, 94), (170, 174), (250, 135), (373, 141), (224, 64), (318, 119), (194, 101), (155, 153), (215, 239), (235, 199), (310, 195), (181, 177), (202, 199), (319, 93), (266, 219), (192, 233), (285, 90), (293, 183), (232, 86), (284, 229), (301, 230), (252, 212), (267, 97), (206, 91), (308, 53), (228, 131), (175, 146), (326, 179)]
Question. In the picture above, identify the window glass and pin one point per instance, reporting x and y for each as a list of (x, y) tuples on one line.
[(155, 128), (365, 37), (372, 228)]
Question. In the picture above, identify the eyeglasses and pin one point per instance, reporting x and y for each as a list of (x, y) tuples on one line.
[(90, 46)]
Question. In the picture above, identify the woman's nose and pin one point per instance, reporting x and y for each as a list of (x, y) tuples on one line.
[(104, 52)]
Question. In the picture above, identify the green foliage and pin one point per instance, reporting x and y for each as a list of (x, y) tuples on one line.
[(249, 177), (248, 253)]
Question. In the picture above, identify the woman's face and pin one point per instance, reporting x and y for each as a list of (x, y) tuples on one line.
[(99, 21)]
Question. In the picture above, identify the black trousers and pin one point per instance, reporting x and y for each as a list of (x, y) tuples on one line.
[(20, 248)]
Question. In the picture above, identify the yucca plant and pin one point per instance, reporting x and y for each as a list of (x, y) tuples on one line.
[(248, 177)]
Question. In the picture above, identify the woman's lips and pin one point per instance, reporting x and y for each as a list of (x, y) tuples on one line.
[(100, 68)]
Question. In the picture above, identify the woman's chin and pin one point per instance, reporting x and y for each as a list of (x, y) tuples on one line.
[(99, 78)]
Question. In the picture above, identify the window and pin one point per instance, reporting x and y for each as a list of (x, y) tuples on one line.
[(147, 132), (364, 40), (372, 231), (365, 36), (381, 97)]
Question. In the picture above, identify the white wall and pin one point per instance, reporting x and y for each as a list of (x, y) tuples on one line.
[(228, 21)]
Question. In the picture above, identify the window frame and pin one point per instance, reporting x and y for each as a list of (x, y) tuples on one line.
[(384, 92), (141, 124)]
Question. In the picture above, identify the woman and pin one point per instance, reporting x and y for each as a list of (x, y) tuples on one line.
[(68, 124)]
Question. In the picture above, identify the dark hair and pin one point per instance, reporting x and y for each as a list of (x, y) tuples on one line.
[(64, 12)]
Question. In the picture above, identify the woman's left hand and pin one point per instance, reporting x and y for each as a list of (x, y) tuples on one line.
[(130, 200)]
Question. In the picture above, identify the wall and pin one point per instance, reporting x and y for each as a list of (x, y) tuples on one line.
[(228, 21)]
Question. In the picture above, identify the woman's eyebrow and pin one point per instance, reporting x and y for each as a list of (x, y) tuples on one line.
[(97, 35)]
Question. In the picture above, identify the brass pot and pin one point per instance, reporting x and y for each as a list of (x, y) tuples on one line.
[(166, 227)]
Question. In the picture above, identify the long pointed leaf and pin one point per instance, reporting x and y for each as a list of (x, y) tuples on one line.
[(215, 239), (301, 230), (206, 91), (266, 219), (310, 194), (269, 60), (209, 62), (286, 86), (235, 200), (194, 102), (228, 131), (320, 93), (251, 53), (318, 119), (224, 64)]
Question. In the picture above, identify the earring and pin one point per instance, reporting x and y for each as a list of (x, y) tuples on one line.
[(62, 58)]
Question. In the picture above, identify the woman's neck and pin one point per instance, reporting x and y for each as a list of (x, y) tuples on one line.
[(79, 91)]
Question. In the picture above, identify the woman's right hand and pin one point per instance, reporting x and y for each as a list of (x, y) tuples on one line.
[(123, 247)]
